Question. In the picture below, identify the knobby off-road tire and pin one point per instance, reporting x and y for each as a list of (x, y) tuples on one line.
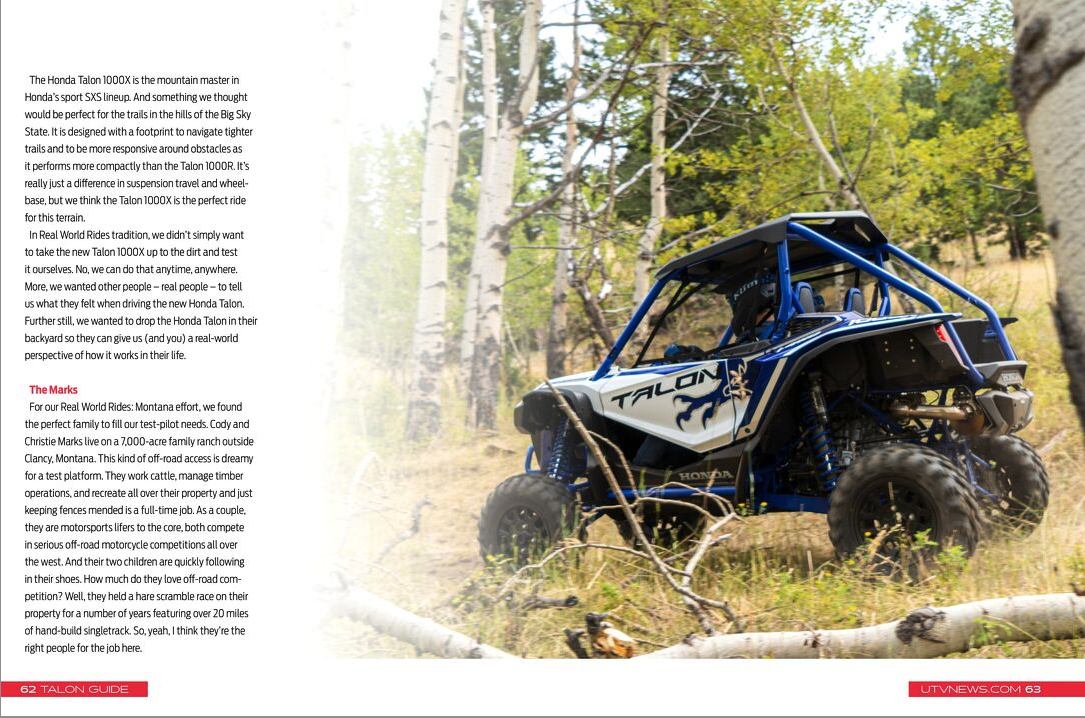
[(524, 516), (892, 493), (1017, 479)]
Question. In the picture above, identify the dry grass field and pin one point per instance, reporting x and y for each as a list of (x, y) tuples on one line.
[(778, 572)]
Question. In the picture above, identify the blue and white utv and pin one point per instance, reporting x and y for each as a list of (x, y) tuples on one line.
[(787, 368)]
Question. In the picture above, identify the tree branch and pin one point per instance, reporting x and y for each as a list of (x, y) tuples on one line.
[(593, 89), (556, 191), (648, 165)]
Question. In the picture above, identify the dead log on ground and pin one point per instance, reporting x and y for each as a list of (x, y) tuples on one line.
[(924, 633), (422, 633)]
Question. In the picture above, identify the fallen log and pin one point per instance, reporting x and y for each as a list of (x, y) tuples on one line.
[(422, 633), (923, 633)]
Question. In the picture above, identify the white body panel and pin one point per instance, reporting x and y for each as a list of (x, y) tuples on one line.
[(698, 406)]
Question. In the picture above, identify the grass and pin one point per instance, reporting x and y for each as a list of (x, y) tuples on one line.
[(778, 572)]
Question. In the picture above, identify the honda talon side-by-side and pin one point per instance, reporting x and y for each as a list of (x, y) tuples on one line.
[(788, 368)]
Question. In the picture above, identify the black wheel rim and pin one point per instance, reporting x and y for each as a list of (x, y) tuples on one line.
[(892, 512), (521, 532), (991, 478), (997, 493), (1000, 503)]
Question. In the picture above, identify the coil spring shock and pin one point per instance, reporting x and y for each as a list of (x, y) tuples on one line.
[(815, 421), (560, 456)]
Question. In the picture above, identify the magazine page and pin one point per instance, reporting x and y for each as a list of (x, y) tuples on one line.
[(356, 353), (169, 303)]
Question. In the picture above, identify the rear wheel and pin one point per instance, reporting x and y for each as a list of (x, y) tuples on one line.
[(524, 516), (901, 505), (1013, 486)]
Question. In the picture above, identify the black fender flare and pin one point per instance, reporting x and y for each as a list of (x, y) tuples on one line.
[(536, 411)]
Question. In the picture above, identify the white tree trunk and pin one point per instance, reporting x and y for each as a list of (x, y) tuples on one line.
[(485, 195), (1048, 82), (649, 240), (457, 117), (424, 396), (555, 339), (493, 248), (924, 633), (422, 633)]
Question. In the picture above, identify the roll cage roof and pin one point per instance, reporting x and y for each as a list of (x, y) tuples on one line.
[(800, 242), (747, 250)]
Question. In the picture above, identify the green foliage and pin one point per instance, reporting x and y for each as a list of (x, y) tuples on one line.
[(967, 151), (933, 145)]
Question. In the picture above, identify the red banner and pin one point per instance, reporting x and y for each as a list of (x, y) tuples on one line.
[(73, 689), (996, 689)]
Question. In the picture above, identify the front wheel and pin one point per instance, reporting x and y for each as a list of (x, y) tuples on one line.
[(903, 504), (1012, 483), (524, 516)]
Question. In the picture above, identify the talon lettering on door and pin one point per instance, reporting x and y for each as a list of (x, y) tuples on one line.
[(669, 386)]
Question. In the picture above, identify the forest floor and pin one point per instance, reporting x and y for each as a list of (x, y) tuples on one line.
[(778, 572)]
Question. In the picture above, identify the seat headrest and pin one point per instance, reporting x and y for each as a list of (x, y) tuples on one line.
[(804, 296), (854, 301)]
